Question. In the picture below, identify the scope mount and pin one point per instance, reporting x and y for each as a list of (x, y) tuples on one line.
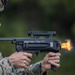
[(37, 34)]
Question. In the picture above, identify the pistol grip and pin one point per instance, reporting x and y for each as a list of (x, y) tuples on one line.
[(54, 68)]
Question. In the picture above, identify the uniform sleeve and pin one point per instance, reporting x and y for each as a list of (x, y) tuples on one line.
[(33, 69), (6, 67)]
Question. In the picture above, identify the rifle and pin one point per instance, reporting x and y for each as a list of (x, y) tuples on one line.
[(37, 44)]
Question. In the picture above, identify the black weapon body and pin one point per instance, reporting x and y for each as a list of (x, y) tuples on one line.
[(36, 44)]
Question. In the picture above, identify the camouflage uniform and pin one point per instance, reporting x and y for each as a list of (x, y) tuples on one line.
[(7, 68)]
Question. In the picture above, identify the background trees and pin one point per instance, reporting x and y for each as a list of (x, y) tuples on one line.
[(21, 16)]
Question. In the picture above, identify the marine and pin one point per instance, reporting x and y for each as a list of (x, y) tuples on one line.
[(18, 63)]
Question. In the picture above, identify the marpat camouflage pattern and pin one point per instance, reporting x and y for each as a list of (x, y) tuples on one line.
[(7, 68)]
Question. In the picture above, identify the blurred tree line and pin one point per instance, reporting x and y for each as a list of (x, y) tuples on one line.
[(21, 16)]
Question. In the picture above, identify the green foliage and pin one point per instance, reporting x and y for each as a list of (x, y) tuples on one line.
[(20, 16)]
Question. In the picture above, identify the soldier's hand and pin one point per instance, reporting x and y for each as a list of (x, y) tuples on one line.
[(20, 59), (50, 59)]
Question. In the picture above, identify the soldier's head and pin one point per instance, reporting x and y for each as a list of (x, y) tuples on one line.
[(2, 3)]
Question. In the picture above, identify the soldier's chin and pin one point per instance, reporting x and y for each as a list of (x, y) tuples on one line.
[(1, 8)]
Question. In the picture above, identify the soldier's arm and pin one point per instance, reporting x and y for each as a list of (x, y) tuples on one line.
[(6, 67), (36, 69), (33, 69)]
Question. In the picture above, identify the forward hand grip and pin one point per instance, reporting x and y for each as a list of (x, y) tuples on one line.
[(54, 68)]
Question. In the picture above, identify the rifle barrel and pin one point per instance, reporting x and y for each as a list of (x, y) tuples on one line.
[(9, 39)]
